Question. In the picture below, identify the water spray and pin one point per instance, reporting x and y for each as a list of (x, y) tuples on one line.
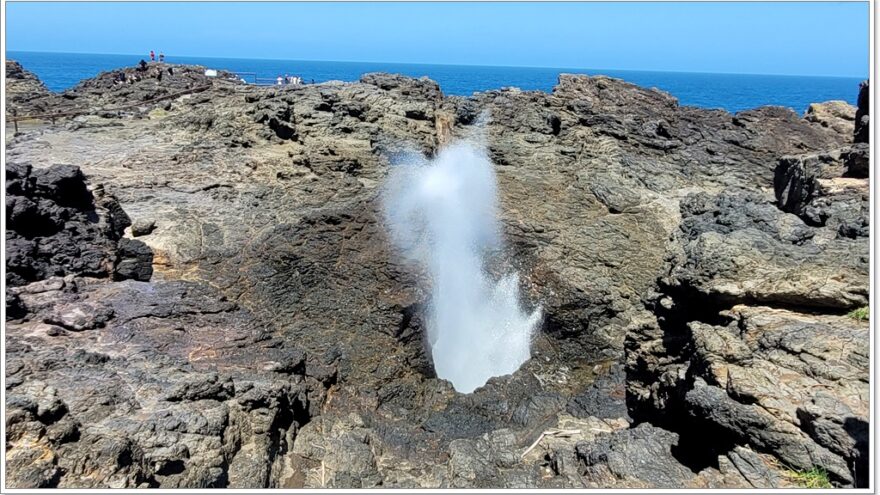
[(443, 215)]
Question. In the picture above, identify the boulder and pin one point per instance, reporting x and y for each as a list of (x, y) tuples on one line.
[(56, 226), (837, 115)]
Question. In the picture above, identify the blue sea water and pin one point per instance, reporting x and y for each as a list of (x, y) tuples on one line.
[(732, 92)]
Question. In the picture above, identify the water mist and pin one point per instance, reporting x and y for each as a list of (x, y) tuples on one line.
[(442, 215)]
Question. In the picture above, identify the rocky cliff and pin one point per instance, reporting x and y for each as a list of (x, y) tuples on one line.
[(695, 269)]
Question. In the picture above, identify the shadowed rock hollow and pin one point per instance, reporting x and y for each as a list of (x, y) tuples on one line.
[(694, 269)]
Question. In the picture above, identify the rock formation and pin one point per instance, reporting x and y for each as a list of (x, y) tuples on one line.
[(55, 226), (695, 269), (24, 90)]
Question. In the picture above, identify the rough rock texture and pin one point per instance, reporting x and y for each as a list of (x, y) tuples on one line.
[(837, 115), (144, 384), (861, 132), (25, 93), (639, 227), (55, 226), (792, 384), (105, 96)]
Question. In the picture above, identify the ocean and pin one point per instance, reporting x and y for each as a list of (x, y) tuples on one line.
[(732, 92)]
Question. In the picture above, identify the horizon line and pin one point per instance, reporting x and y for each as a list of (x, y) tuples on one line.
[(461, 65)]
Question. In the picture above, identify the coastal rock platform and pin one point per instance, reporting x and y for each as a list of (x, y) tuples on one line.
[(212, 300)]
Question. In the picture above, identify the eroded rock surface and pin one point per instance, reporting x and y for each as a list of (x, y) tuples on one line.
[(144, 384), (56, 226), (24, 90), (683, 259)]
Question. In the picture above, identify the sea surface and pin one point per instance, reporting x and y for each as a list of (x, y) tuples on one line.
[(732, 92)]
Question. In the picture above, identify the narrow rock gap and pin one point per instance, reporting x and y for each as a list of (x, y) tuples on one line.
[(700, 442)]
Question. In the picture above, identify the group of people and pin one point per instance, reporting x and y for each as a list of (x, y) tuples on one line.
[(288, 80), (141, 72), (153, 56)]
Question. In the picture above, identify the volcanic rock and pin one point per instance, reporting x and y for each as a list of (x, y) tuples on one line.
[(57, 227), (680, 256)]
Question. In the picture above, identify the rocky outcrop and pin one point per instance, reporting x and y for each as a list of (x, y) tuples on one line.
[(56, 227), (680, 256), (133, 384), (792, 384), (837, 115), (750, 345), (137, 84), (144, 384), (861, 131), (857, 158), (128, 92), (25, 93)]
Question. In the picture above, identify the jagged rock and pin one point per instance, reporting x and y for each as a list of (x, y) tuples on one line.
[(779, 368), (56, 227), (795, 179), (174, 404), (755, 470), (767, 256), (24, 90), (838, 115), (642, 454), (862, 133), (135, 260), (857, 160), (627, 216), (822, 189)]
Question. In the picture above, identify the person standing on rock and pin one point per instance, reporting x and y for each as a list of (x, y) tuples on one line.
[(161, 57), (152, 56), (278, 80)]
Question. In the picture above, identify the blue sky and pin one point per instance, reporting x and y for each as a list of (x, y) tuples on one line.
[(760, 38)]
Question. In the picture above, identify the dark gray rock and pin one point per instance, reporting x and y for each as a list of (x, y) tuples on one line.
[(753, 469), (858, 161), (862, 133), (56, 227), (135, 260), (142, 227), (641, 453)]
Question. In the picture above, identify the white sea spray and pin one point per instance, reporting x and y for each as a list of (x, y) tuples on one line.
[(443, 215)]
